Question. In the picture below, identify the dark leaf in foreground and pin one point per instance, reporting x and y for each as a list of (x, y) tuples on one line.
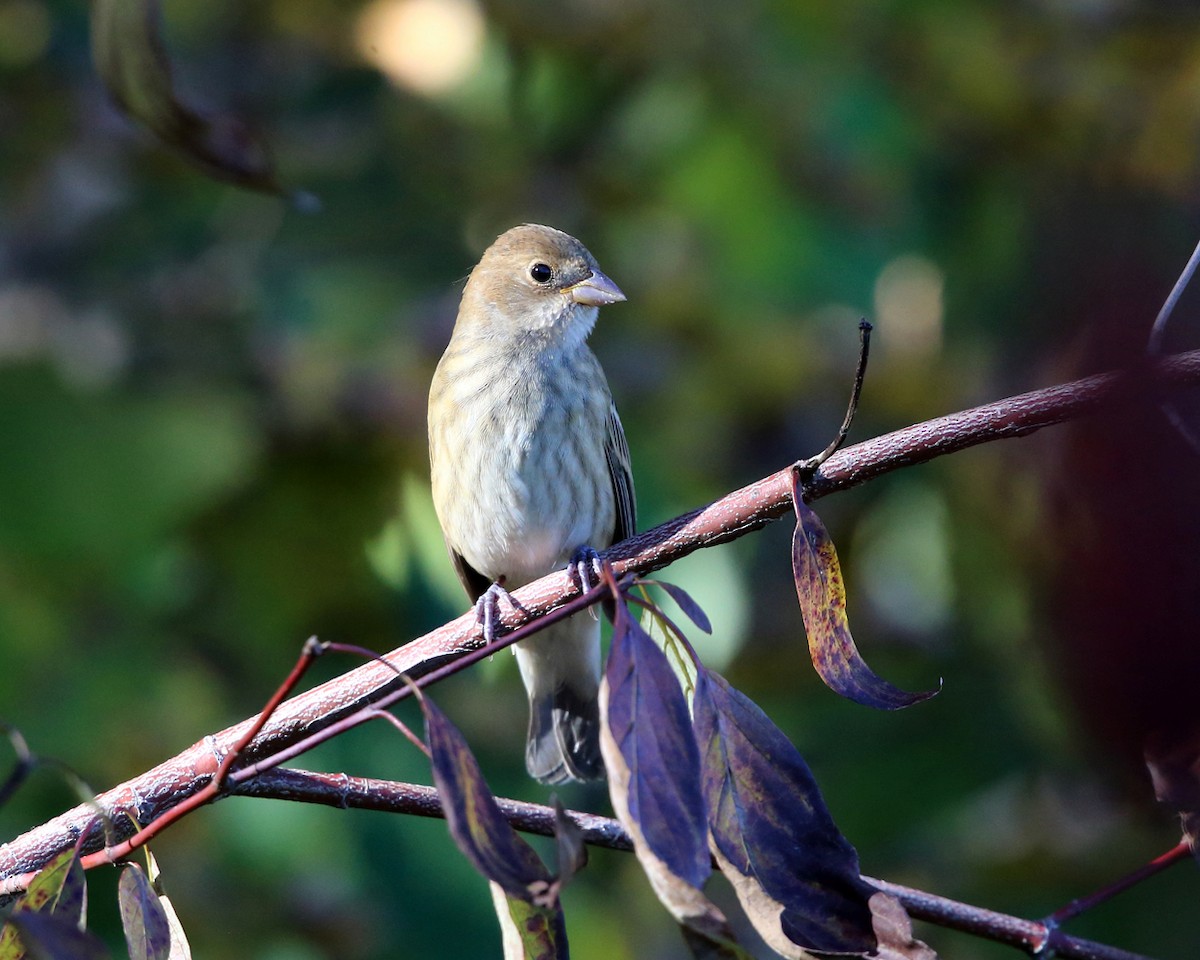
[(654, 782), (476, 823), (568, 840), (646, 715), (71, 902), (147, 929), (48, 936), (796, 876), (59, 888), (822, 595), (131, 59)]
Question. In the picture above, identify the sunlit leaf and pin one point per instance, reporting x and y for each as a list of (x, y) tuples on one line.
[(529, 932), (147, 929), (476, 823), (59, 888), (132, 60), (795, 875), (822, 594), (48, 936)]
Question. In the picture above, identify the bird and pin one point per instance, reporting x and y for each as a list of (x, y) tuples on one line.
[(530, 469)]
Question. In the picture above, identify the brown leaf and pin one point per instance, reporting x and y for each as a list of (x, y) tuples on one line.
[(822, 595), (893, 930)]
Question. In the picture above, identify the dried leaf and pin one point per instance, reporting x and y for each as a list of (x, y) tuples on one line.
[(529, 932), (795, 875), (822, 595), (147, 928), (893, 930), (132, 60), (476, 823), (48, 936)]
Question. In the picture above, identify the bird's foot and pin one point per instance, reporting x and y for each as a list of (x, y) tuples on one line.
[(487, 608), (585, 569)]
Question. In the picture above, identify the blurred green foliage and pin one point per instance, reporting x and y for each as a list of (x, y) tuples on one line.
[(212, 418)]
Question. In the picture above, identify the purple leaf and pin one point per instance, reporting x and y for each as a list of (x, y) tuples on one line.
[(147, 929), (646, 716), (72, 898), (795, 874), (476, 823), (684, 601), (822, 595), (48, 936)]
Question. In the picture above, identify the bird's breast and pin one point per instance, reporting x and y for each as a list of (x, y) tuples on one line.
[(520, 478)]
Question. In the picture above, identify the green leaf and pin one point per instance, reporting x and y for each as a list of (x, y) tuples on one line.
[(529, 932)]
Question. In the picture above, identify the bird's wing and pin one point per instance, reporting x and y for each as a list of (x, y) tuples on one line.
[(476, 583), (616, 452)]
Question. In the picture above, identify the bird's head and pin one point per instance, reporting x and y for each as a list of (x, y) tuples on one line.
[(535, 279)]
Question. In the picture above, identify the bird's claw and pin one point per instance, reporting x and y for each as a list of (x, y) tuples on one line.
[(585, 569), (487, 609)]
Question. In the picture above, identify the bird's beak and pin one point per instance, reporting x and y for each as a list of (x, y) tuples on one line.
[(595, 291)]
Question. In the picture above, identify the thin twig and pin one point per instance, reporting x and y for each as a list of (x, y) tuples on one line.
[(806, 467), (1154, 346), (1180, 851)]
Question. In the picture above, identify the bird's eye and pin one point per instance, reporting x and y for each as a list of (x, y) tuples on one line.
[(541, 273)]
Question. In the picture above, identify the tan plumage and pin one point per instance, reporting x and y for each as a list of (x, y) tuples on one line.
[(529, 463)]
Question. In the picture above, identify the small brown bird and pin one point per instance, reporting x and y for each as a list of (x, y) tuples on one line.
[(530, 466)]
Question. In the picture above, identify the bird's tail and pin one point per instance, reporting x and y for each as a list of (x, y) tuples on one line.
[(561, 670)]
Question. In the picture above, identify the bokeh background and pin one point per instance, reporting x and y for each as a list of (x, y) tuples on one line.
[(212, 418)]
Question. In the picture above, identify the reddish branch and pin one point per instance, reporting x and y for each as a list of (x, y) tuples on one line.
[(150, 795)]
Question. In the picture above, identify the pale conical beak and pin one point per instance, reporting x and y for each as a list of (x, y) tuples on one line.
[(595, 291)]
